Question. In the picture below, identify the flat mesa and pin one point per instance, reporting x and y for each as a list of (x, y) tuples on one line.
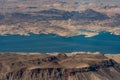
[(62, 66)]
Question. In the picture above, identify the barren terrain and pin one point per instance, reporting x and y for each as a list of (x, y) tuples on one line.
[(59, 66), (65, 18)]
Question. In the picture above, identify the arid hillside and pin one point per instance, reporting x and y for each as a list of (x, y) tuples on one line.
[(78, 66), (63, 23), (61, 17)]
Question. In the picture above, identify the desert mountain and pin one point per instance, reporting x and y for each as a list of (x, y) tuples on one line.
[(59, 66)]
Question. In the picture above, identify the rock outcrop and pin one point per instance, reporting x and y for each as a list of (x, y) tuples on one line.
[(58, 67)]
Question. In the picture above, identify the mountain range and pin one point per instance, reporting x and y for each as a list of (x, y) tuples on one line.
[(53, 19)]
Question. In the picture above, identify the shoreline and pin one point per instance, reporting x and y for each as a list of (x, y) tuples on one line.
[(85, 34), (55, 53)]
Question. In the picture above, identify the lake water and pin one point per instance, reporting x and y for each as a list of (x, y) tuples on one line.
[(46, 43)]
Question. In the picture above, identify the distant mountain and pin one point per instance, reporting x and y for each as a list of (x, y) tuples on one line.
[(116, 16), (90, 14), (1, 17), (73, 1), (10, 6), (55, 14)]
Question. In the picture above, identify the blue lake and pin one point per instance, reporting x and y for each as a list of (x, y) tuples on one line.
[(46, 43)]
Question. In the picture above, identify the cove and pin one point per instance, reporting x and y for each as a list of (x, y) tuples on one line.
[(47, 43)]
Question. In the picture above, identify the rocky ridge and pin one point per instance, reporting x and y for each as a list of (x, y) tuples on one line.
[(58, 66)]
